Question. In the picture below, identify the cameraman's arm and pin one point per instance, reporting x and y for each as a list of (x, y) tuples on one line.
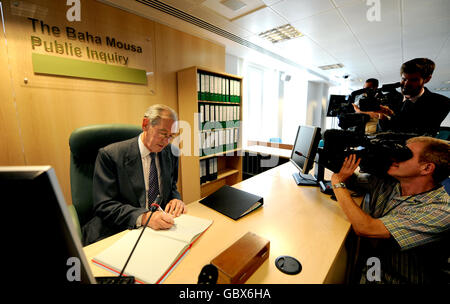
[(363, 224), (373, 114)]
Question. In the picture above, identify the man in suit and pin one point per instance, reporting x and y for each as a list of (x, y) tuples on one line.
[(129, 175), (422, 111), (371, 125)]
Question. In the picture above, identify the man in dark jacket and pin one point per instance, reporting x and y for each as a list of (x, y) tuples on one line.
[(129, 175), (422, 111)]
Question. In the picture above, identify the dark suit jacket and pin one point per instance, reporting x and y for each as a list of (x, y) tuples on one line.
[(423, 117), (119, 188)]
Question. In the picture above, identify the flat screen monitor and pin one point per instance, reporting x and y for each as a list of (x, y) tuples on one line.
[(43, 245), (337, 105), (303, 154)]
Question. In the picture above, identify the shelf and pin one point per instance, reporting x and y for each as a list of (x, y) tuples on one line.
[(211, 71), (220, 154), (221, 175), (221, 102)]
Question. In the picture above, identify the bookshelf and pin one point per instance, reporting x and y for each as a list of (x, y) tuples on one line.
[(210, 111)]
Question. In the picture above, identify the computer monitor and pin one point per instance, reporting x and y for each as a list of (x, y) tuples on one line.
[(42, 243), (337, 105), (303, 154)]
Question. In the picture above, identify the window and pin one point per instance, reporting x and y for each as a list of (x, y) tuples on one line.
[(294, 106), (274, 104), (260, 119)]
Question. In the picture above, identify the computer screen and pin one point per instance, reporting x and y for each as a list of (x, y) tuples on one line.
[(304, 152), (43, 244), (338, 105)]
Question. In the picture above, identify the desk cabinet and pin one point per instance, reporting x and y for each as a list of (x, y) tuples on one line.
[(255, 163)]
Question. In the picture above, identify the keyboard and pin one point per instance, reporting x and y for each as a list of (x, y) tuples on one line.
[(115, 280)]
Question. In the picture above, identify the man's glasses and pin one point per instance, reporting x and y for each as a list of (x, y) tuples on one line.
[(166, 135)]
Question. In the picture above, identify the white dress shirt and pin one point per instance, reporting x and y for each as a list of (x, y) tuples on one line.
[(146, 162)]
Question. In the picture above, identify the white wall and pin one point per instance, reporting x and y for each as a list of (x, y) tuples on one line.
[(233, 65), (317, 99)]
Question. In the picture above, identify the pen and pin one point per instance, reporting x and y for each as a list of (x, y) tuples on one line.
[(160, 209)]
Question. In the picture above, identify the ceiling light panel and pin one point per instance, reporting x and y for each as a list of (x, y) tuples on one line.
[(331, 66), (281, 33)]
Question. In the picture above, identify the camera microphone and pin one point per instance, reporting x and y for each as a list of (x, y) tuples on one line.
[(390, 86)]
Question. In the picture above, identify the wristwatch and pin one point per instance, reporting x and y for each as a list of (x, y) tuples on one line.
[(339, 185)]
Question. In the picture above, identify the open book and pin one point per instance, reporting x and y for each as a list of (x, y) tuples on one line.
[(158, 251)]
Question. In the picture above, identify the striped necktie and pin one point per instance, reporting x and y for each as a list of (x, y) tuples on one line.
[(153, 185)]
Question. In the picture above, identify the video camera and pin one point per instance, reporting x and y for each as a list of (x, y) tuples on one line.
[(368, 99), (377, 152)]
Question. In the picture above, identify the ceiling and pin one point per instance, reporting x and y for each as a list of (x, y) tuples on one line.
[(334, 31)]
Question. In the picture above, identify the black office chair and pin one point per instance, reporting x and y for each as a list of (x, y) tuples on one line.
[(84, 144)]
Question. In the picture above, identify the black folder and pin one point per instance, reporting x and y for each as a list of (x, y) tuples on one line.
[(232, 202)]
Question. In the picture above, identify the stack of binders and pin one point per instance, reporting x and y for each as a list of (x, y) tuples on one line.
[(219, 113), (216, 138), (211, 87), (208, 170)]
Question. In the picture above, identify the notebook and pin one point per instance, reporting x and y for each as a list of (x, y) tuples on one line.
[(158, 251), (232, 202)]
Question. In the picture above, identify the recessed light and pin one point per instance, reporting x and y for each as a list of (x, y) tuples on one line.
[(281, 33), (331, 66)]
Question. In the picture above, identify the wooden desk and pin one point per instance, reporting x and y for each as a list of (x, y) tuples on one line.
[(298, 221)]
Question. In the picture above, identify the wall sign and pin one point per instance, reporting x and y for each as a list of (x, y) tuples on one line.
[(66, 51)]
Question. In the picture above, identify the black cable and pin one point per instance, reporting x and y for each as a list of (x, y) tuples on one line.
[(153, 208)]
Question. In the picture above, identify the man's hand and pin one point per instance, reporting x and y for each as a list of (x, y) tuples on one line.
[(159, 220), (386, 110), (362, 223), (357, 109), (348, 168), (176, 207), (383, 113)]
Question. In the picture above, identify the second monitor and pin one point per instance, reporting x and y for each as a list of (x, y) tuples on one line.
[(303, 154)]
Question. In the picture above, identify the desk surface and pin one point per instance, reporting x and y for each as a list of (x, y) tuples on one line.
[(299, 221)]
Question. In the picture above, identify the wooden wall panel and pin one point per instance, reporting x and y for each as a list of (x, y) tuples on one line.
[(10, 140), (51, 107)]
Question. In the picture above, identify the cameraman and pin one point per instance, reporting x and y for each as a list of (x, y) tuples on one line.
[(422, 111), (371, 125), (408, 213)]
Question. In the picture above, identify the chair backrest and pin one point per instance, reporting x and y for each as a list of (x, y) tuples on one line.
[(275, 140), (84, 144)]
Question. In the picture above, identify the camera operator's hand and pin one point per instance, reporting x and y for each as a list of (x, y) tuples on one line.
[(348, 168), (373, 114), (386, 110), (357, 109)]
